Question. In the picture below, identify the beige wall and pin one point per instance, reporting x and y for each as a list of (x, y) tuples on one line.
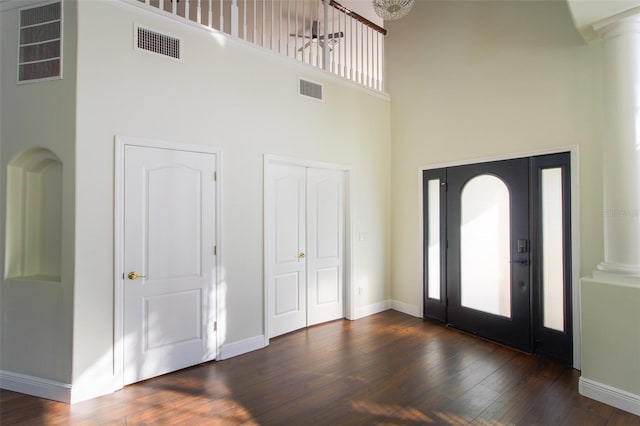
[(477, 80), (227, 95), (36, 322), (611, 338)]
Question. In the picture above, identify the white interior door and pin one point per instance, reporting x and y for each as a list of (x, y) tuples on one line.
[(305, 246), (325, 244), (169, 265), (287, 283)]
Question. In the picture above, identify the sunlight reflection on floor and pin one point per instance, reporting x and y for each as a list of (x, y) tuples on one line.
[(395, 411)]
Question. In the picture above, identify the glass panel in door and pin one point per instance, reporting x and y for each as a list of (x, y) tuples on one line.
[(433, 236), (552, 249), (485, 271)]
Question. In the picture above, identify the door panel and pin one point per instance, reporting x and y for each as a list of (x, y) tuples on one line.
[(551, 257), (287, 283), (287, 294), (488, 271), (162, 330), (434, 184), (169, 236), (325, 230), (182, 226)]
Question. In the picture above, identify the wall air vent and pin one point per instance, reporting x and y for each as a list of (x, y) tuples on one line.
[(162, 44), (310, 89), (40, 43)]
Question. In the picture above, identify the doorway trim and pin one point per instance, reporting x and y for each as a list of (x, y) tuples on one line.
[(118, 243), (573, 151), (349, 297)]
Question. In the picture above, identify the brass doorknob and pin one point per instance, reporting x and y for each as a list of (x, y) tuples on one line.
[(133, 275), (301, 255)]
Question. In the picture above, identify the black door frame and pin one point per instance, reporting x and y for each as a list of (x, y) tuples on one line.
[(543, 341)]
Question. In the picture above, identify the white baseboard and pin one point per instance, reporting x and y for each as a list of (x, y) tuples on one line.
[(365, 311), (35, 386), (609, 395), (406, 308), (230, 350)]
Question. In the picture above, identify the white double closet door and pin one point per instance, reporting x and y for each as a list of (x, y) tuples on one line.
[(305, 246)]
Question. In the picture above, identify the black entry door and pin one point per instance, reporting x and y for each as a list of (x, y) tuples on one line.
[(488, 287), (497, 251)]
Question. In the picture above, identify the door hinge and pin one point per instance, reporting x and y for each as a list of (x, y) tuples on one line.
[(215, 250), (215, 326), (215, 176)]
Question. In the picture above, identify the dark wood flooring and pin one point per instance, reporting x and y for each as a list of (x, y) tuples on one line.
[(387, 369)]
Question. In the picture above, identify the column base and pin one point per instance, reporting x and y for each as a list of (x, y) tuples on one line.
[(610, 328)]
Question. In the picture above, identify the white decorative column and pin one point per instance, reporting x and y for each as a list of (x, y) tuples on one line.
[(621, 146), (610, 301)]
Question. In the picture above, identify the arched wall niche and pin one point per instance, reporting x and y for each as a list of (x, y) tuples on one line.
[(33, 244)]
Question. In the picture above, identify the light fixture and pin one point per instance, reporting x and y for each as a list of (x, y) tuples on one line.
[(390, 10)]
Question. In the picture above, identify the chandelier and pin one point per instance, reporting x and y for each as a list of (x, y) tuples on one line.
[(390, 10)]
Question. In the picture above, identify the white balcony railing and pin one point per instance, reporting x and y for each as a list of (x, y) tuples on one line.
[(322, 33)]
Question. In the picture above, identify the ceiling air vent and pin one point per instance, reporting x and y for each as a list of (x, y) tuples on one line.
[(40, 43), (310, 89), (156, 42)]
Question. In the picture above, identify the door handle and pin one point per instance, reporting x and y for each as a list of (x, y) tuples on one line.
[(134, 275), (520, 261), (301, 255)]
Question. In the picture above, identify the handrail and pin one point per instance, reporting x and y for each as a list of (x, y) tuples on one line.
[(357, 17)]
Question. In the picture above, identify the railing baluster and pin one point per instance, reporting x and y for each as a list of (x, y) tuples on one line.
[(337, 54), (255, 21), (187, 8), (234, 18), (365, 55), (244, 22), (344, 47), (174, 7), (362, 54), (378, 85), (351, 38), (288, 25), (199, 12), (210, 14), (221, 16), (370, 56), (160, 4), (264, 20), (358, 55), (375, 60), (336, 41), (304, 30), (382, 61), (324, 29), (295, 42)]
